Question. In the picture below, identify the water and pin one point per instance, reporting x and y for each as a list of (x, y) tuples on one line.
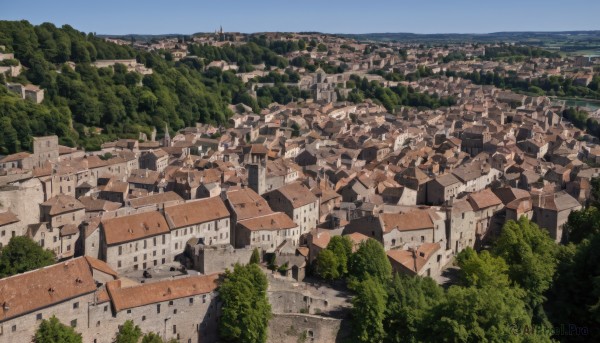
[(592, 105)]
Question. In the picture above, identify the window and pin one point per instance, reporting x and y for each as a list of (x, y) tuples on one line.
[(119, 264), (14, 328), (143, 318), (171, 303), (38, 316), (422, 238), (174, 329), (74, 323), (154, 240), (128, 311), (76, 305), (204, 298), (105, 308), (135, 259), (98, 324), (120, 251), (191, 301), (175, 311)]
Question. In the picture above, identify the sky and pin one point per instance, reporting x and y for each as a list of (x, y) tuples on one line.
[(329, 16)]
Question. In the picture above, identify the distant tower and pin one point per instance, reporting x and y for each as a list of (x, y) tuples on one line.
[(167, 138), (221, 30), (257, 174)]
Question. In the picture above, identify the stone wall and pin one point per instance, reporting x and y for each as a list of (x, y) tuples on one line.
[(296, 302), (212, 259), (294, 328)]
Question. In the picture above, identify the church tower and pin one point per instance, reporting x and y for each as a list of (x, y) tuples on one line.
[(257, 173), (167, 138)]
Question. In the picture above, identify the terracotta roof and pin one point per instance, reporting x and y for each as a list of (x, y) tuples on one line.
[(14, 157), (134, 227), (321, 239), (246, 203), (414, 220), (40, 288), (68, 229), (62, 203), (297, 194), (7, 218), (414, 261), (483, 199), (94, 205), (154, 199), (101, 266), (150, 293), (273, 221), (196, 212), (357, 238)]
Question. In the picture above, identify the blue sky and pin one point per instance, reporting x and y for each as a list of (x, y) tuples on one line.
[(331, 16)]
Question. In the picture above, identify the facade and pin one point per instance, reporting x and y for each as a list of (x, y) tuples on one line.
[(135, 242), (298, 202)]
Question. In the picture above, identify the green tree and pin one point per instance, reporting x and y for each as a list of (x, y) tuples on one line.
[(53, 331), (409, 301), (152, 337), (370, 260), (483, 269), (341, 246), (530, 254), (22, 254), (488, 314), (574, 297), (328, 265), (255, 258), (128, 333), (583, 224), (246, 310), (368, 311)]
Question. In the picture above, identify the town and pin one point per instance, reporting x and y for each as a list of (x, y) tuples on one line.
[(424, 149)]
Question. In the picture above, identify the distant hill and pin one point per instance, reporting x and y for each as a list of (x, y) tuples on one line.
[(540, 38)]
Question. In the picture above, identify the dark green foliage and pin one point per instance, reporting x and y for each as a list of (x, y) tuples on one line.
[(394, 97), (482, 270), (53, 331), (255, 258), (245, 55), (152, 337), (128, 333), (368, 311), (246, 310), (22, 254), (177, 93), (370, 261), (409, 301), (583, 224), (531, 257), (575, 294), (328, 265)]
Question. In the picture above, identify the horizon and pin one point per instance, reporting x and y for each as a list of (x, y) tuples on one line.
[(154, 17)]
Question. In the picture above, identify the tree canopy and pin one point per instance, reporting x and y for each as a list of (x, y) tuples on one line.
[(22, 254), (246, 310), (53, 331), (128, 333)]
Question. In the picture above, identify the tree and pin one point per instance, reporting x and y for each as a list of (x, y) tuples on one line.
[(368, 311), (531, 257), (370, 260), (152, 337), (22, 254), (341, 246), (328, 265), (574, 297), (128, 333), (488, 314), (409, 301), (483, 269), (255, 258), (246, 310), (583, 224), (53, 331)]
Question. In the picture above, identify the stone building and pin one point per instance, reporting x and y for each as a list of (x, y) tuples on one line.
[(135, 242), (298, 202), (9, 227), (207, 220), (268, 232)]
